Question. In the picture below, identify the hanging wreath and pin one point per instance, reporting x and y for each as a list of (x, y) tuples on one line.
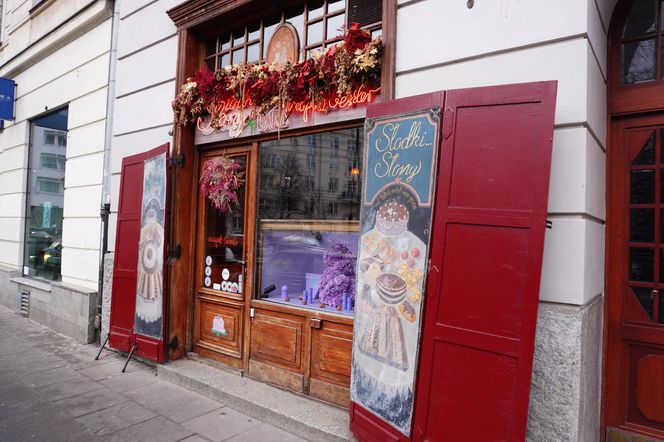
[(337, 71), (220, 181)]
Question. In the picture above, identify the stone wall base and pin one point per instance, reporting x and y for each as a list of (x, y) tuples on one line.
[(565, 394), (65, 308), (106, 295)]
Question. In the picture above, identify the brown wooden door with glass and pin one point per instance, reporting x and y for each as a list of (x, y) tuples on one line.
[(635, 277), (224, 238)]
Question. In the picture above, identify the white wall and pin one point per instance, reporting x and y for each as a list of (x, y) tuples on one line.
[(145, 86), (68, 67), (512, 41)]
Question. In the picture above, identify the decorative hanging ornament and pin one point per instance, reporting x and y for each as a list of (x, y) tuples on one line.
[(220, 180)]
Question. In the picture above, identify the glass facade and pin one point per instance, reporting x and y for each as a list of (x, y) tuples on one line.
[(45, 200), (308, 214)]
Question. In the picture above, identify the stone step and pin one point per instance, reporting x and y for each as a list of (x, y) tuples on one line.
[(302, 416)]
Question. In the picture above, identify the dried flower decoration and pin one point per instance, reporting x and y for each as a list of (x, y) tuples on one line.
[(220, 181), (336, 71)]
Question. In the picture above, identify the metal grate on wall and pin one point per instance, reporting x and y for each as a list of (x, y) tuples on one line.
[(25, 302), (364, 12)]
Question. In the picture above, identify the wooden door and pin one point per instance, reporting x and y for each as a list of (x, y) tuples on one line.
[(223, 285), (137, 303), (486, 259), (635, 277)]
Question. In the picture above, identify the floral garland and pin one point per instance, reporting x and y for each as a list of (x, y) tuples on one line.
[(220, 181), (335, 72)]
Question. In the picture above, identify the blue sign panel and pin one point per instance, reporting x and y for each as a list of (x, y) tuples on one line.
[(402, 150), (6, 99)]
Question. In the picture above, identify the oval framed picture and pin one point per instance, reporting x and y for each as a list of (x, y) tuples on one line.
[(284, 45)]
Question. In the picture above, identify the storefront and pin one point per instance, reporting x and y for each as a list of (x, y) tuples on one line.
[(241, 285), (272, 277)]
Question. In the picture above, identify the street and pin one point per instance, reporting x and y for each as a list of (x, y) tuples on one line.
[(52, 389)]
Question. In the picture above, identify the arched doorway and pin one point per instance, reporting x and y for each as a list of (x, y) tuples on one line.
[(634, 372)]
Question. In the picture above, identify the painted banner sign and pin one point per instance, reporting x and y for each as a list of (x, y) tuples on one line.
[(150, 271), (399, 174)]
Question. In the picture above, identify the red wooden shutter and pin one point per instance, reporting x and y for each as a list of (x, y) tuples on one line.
[(123, 300), (486, 261)]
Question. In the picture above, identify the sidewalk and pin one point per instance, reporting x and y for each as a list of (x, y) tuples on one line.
[(52, 389)]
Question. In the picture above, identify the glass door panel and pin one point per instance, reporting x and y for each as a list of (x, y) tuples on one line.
[(224, 243)]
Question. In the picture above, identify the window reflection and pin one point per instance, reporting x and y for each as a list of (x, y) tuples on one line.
[(290, 175), (48, 152)]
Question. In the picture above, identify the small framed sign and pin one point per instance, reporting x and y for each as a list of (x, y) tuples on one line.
[(284, 46)]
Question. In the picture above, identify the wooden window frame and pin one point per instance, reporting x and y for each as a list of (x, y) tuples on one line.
[(304, 47), (624, 99)]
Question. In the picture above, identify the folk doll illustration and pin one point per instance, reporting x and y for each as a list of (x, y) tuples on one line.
[(218, 327), (391, 277), (150, 260)]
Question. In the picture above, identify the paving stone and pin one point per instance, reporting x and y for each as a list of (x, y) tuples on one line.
[(173, 402), (90, 402), (221, 424), (52, 389), (48, 377), (196, 438), (44, 421), (16, 399), (130, 381), (264, 433), (30, 362), (158, 429), (62, 390), (105, 370), (116, 418)]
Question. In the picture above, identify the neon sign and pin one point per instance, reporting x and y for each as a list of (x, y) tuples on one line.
[(234, 116)]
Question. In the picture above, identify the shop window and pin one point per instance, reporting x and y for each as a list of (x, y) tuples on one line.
[(307, 240), (45, 199), (318, 23)]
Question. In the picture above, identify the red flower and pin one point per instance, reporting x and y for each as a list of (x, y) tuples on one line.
[(356, 38), (205, 82)]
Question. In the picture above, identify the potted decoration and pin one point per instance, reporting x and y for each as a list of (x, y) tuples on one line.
[(338, 278)]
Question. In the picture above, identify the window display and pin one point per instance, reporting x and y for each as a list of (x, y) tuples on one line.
[(307, 241)]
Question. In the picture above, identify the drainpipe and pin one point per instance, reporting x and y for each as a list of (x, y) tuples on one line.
[(105, 208)]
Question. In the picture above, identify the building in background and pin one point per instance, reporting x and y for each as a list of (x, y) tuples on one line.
[(52, 159)]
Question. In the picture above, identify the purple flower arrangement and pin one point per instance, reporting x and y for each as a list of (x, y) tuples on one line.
[(338, 278)]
